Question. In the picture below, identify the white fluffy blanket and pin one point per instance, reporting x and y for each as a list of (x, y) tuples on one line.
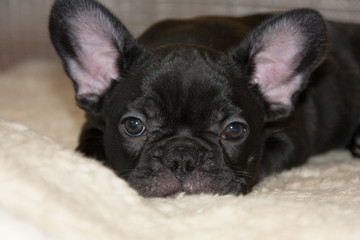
[(47, 191)]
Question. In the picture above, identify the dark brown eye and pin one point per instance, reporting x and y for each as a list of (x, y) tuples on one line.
[(234, 131), (134, 127)]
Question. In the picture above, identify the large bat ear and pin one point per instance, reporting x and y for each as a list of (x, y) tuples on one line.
[(94, 46), (280, 54)]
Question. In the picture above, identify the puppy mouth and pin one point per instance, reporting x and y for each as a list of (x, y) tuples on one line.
[(186, 188), (167, 186), (176, 172), (173, 188)]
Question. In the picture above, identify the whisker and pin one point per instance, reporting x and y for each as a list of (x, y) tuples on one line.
[(245, 174)]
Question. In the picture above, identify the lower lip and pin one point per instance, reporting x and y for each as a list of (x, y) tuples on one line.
[(176, 195)]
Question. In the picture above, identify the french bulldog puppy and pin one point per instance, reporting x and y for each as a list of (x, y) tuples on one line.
[(210, 104)]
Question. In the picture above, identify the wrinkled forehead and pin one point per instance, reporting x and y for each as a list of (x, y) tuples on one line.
[(186, 90)]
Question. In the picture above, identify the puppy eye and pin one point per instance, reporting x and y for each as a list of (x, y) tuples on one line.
[(234, 131), (134, 127)]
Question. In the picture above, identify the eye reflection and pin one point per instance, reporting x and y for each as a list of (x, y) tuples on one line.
[(234, 131), (134, 127)]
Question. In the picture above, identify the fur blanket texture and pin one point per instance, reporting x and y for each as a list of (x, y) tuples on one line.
[(48, 191)]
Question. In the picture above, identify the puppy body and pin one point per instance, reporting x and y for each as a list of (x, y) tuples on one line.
[(314, 126), (211, 104)]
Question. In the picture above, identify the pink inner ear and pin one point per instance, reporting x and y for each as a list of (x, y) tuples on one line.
[(275, 65), (95, 67)]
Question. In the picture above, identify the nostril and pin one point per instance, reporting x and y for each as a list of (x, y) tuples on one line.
[(173, 165), (189, 166)]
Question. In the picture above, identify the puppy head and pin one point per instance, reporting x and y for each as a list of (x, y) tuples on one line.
[(184, 118)]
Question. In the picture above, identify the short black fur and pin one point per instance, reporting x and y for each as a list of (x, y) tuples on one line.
[(214, 104)]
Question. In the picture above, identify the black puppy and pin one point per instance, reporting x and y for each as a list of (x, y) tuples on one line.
[(212, 104)]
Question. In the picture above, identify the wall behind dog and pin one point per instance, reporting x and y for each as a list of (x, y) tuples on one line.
[(23, 23)]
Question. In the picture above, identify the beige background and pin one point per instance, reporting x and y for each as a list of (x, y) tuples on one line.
[(23, 23)]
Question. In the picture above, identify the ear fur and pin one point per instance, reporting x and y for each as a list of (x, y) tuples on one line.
[(281, 53), (94, 46)]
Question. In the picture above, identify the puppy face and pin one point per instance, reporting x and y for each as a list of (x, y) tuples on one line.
[(182, 117), (182, 127)]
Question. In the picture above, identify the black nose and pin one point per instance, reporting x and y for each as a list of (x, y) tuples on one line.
[(181, 165), (182, 160)]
